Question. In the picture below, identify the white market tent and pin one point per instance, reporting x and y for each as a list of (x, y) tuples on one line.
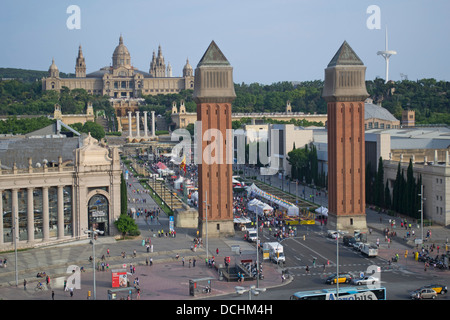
[(178, 182), (290, 208), (322, 210)]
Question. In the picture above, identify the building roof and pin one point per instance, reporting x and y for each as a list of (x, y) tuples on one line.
[(56, 128), (41, 150), (373, 111), (345, 56), (213, 56), (418, 137), (105, 70)]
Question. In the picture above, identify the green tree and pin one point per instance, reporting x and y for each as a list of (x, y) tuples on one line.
[(125, 224), (396, 193), (123, 196), (95, 129), (369, 183), (410, 190), (379, 185), (387, 197)]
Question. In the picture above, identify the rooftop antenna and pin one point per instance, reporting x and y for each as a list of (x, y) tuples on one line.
[(386, 54)]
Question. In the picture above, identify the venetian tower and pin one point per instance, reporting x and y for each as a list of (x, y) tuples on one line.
[(214, 93), (345, 93)]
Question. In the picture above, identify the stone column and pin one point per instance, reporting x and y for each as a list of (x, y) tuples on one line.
[(15, 213), (30, 214), (45, 218), (153, 123), (145, 124), (60, 212), (138, 134), (130, 134)]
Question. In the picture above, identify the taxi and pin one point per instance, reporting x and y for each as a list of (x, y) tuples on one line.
[(343, 278), (440, 289)]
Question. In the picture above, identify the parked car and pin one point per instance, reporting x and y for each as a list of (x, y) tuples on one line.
[(357, 246), (332, 234), (424, 293), (365, 280), (349, 240), (439, 288), (343, 278)]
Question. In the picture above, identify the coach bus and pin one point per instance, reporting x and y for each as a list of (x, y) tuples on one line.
[(345, 293)]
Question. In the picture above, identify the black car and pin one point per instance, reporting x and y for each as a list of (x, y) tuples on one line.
[(349, 240)]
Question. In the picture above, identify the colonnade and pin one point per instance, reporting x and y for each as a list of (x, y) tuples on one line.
[(138, 131), (14, 222)]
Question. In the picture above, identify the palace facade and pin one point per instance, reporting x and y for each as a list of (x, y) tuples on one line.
[(55, 186), (121, 79)]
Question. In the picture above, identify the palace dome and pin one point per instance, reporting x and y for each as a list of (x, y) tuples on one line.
[(121, 55)]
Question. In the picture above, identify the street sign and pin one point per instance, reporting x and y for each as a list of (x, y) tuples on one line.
[(171, 220)]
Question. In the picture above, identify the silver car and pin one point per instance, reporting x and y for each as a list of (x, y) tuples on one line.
[(424, 293), (365, 280)]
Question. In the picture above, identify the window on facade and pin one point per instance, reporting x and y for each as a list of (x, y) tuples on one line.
[(67, 199)]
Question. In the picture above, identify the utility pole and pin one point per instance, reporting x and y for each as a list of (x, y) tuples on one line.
[(421, 211)]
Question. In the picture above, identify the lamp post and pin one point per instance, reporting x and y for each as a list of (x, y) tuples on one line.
[(93, 233), (421, 212), (251, 290), (206, 220), (257, 249)]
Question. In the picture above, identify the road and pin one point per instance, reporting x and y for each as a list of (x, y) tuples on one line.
[(301, 252)]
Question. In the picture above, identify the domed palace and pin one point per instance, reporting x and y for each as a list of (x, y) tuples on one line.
[(122, 79)]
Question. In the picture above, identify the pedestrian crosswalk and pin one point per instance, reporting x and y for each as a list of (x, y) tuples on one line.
[(354, 269)]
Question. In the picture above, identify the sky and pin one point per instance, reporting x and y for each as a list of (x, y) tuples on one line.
[(266, 41)]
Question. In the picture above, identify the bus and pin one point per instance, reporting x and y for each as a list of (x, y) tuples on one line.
[(345, 293)]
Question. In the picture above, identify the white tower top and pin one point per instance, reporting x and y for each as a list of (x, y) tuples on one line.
[(386, 54)]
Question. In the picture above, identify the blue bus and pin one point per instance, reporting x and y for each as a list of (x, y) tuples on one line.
[(345, 293)]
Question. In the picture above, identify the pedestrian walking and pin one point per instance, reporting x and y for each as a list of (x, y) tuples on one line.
[(182, 261), (24, 284), (53, 295)]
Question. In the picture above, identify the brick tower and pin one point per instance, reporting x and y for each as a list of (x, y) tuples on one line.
[(345, 93), (213, 93)]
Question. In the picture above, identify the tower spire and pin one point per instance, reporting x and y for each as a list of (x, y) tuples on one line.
[(80, 64)]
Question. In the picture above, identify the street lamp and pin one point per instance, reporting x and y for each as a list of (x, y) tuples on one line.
[(252, 290), (93, 233), (206, 220), (421, 212)]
